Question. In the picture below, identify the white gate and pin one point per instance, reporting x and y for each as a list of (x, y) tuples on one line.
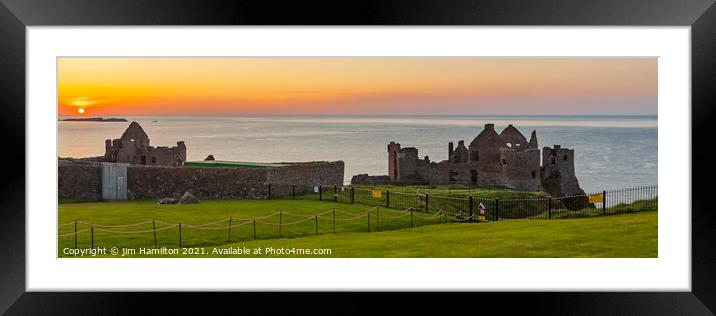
[(114, 181)]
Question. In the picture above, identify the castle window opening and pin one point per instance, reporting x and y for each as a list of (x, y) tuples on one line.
[(565, 158), (453, 176), (144, 160), (509, 145), (154, 160), (534, 174), (504, 161), (473, 176), (474, 156), (551, 159)]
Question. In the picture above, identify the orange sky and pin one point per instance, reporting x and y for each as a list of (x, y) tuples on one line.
[(447, 85)]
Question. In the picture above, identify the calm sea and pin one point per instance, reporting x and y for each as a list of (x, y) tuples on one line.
[(611, 151)]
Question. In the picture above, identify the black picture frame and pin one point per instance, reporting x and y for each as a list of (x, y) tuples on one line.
[(16, 15)]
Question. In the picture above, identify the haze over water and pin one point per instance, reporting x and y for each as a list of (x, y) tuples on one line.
[(610, 151)]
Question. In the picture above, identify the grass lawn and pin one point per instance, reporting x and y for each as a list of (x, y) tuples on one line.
[(296, 218), (622, 235), (456, 190)]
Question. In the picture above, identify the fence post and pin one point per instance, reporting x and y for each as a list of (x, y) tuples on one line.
[(179, 235), (472, 210), (316, 225), (387, 198), (549, 207), (377, 218), (269, 191), (426, 203), (497, 209), (92, 237), (75, 234), (411, 218), (154, 230), (335, 193), (229, 237), (604, 202), (334, 220), (254, 228), (280, 220), (293, 191), (353, 195), (320, 192), (369, 222)]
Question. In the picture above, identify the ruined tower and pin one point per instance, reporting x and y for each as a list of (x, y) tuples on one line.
[(133, 147), (405, 166), (558, 176)]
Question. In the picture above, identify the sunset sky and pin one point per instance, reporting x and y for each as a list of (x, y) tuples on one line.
[(366, 86)]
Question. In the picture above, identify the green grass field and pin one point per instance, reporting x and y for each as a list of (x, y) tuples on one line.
[(456, 190), (623, 235), (297, 218)]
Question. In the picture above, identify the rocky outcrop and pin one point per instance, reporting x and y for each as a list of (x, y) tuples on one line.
[(168, 201), (364, 178), (188, 198)]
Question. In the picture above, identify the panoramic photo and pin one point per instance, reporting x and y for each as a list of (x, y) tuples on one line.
[(357, 157)]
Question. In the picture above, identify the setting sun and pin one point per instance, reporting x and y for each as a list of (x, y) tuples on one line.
[(81, 111)]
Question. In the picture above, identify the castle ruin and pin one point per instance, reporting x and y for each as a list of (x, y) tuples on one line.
[(133, 147), (505, 160)]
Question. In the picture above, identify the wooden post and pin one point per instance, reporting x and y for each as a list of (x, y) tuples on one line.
[(280, 215), (269, 191), (549, 207), (293, 191), (254, 228), (154, 230), (411, 218), (426, 203), (377, 218), (472, 209), (335, 193), (320, 192), (497, 209), (229, 237), (604, 202), (75, 234), (92, 237), (334, 220), (353, 195), (387, 198), (369, 222), (179, 235), (316, 225)]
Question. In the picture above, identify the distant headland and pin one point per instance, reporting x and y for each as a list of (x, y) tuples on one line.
[(94, 119)]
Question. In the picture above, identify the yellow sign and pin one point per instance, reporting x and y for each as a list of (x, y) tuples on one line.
[(596, 198), (376, 194)]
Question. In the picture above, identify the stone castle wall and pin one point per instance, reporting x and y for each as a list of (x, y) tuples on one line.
[(213, 183), (558, 175), (83, 180), (79, 180), (304, 175), (522, 170)]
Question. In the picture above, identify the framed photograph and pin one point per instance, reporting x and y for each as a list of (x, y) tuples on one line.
[(474, 147)]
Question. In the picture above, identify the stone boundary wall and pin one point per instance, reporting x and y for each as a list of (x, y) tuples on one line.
[(79, 180), (155, 182), (304, 175), (83, 180)]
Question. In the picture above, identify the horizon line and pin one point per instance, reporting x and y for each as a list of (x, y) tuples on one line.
[(368, 115)]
